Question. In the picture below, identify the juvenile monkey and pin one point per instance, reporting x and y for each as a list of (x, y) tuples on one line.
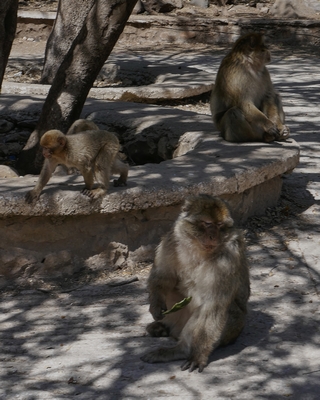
[(202, 257), (244, 104), (79, 125), (118, 167), (92, 152)]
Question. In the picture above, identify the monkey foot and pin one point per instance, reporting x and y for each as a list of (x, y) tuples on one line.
[(193, 365), (158, 329), (119, 182), (94, 193)]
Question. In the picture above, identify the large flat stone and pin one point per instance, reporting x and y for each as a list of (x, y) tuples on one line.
[(171, 82), (247, 175)]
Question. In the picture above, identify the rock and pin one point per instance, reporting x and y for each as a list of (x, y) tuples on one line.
[(57, 264), (5, 126), (161, 6), (143, 254), (10, 149), (187, 142), (138, 8), (8, 172), (15, 259), (292, 9), (200, 3), (117, 254)]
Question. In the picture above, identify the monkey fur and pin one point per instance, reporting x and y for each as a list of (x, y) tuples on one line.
[(244, 104), (202, 257), (92, 152)]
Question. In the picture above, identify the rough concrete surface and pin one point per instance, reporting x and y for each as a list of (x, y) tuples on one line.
[(86, 343)]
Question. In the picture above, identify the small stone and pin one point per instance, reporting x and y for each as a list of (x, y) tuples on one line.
[(5, 126), (8, 172)]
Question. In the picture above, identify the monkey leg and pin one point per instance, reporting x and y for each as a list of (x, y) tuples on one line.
[(272, 108), (88, 191), (200, 336), (235, 128), (235, 324), (94, 193), (118, 167), (165, 354)]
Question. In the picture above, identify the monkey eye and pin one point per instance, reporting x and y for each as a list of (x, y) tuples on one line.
[(207, 224)]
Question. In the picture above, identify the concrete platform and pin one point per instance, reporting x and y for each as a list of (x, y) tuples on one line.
[(249, 176)]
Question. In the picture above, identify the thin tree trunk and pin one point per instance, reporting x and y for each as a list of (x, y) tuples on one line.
[(8, 24), (81, 64)]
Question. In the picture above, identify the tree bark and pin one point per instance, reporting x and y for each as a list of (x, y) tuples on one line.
[(8, 24), (82, 59), (63, 34)]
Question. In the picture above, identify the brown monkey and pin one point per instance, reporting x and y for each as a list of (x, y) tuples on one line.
[(79, 125), (202, 257), (118, 167), (91, 152), (244, 104)]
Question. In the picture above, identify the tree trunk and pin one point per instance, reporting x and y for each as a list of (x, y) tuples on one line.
[(82, 59), (8, 24), (63, 35)]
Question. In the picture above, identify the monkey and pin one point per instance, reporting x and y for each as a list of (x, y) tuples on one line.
[(203, 257), (92, 152), (244, 104), (118, 167), (79, 125)]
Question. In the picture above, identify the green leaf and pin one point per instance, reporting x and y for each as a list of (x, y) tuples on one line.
[(178, 306)]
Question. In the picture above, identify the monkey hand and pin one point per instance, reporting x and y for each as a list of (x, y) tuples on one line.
[(271, 134), (193, 363), (157, 306), (31, 196)]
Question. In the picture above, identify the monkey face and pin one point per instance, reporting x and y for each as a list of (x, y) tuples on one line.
[(205, 219), (253, 49), (262, 55), (208, 234), (46, 152), (52, 143)]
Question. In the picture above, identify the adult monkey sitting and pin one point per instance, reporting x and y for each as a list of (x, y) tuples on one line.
[(244, 104), (203, 257)]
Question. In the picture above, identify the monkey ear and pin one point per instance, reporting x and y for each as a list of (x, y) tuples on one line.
[(228, 222), (61, 141), (187, 204)]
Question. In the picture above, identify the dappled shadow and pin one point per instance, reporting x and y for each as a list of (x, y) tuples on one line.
[(88, 343)]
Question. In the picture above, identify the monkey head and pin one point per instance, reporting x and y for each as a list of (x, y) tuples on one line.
[(205, 220), (52, 142), (253, 49)]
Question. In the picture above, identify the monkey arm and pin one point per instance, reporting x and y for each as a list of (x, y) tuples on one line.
[(160, 288), (46, 172), (163, 278)]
